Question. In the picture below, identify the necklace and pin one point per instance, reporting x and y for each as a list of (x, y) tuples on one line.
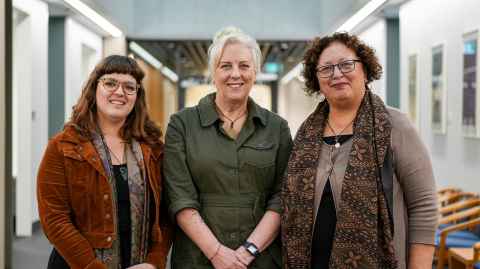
[(234, 120), (120, 161), (337, 143)]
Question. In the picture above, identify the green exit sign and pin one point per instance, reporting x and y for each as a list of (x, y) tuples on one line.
[(273, 67)]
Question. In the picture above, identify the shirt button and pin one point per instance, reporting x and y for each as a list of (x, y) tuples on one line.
[(233, 236), (107, 216), (105, 197), (109, 239)]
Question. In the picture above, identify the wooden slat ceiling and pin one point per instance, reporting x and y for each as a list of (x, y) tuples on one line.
[(189, 58)]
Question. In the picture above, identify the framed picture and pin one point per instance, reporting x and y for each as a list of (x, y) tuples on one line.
[(470, 113), (439, 108), (413, 88)]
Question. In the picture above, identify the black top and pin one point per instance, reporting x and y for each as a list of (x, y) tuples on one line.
[(123, 207), (326, 220)]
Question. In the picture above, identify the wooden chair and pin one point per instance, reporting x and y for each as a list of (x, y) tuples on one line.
[(464, 258), (459, 206), (447, 190), (449, 198), (457, 223)]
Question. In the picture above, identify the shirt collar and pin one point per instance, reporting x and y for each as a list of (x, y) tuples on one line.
[(209, 115)]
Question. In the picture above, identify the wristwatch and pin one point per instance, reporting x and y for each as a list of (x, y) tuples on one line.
[(251, 248)]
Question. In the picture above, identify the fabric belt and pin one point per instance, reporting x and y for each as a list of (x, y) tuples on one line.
[(255, 201)]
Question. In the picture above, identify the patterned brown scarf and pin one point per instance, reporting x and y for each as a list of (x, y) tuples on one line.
[(363, 233), (139, 201)]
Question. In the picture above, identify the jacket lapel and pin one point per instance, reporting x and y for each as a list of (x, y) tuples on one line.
[(89, 153), (85, 149)]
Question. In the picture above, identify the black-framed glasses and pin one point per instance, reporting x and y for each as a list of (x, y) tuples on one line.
[(326, 71), (111, 85)]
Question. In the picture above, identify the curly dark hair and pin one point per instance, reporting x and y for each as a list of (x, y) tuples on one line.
[(365, 53), (138, 124)]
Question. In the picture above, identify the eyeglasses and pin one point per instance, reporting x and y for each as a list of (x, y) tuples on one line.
[(111, 85), (327, 71)]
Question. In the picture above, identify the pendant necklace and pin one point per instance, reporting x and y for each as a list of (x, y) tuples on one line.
[(231, 121), (337, 136), (115, 156), (122, 168)]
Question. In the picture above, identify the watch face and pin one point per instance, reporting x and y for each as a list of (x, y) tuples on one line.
[(252, 249)]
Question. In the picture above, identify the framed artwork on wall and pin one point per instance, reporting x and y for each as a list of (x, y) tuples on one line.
[(439, 107), (470, 104), (413, 88)]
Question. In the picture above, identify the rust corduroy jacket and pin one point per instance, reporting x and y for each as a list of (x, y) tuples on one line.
[(75, 201)]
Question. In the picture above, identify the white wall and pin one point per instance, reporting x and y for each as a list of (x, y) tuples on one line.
[(2, 132), (376, 37), (294, 104), (83, 50), (30, 105), (423, 25)]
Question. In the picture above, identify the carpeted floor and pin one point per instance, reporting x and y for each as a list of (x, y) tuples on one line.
[(31, 252)]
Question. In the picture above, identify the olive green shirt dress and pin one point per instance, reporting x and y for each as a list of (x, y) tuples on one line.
[(230, 182)]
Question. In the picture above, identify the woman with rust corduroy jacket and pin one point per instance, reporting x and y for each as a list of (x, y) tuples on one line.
[(99, 183)]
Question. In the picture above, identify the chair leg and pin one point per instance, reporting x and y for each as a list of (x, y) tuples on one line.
[(441, 258)]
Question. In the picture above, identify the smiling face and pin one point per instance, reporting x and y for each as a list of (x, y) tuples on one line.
[(234, 74), (341, 89), (114, 106)]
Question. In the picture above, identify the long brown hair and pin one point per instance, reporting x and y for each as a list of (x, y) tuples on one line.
[(137, 125)]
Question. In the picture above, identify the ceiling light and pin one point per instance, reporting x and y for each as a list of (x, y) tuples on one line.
[(145, 55), (347, 26), (169, 73), (362, 14), (95, 17), (151, 60)]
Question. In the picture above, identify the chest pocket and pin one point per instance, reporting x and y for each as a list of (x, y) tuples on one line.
[(77, 170), (258, 170), (261, 154)]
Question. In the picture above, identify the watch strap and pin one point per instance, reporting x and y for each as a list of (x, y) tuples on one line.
[(251, 248)]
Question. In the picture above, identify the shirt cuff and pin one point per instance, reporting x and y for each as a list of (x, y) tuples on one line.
[(274, 204), (426, 237), (178, 205)]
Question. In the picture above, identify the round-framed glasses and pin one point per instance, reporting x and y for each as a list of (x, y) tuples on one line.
[(111, 85), (326, 71)]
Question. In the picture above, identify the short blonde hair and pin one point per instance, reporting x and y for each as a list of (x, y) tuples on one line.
[(232, 35)]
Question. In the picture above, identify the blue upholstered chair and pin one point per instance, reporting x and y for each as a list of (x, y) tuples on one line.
[(454, 231)]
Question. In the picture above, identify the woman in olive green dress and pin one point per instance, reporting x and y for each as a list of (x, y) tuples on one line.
[(224, 160)]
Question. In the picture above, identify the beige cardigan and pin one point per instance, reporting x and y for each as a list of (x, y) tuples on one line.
[(414, 195)]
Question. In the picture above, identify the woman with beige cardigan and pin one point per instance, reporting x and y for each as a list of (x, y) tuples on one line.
[(359, 189)]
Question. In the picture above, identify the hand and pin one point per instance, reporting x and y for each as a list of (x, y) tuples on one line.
[(244, 256), (226, 259), (143, 266)]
